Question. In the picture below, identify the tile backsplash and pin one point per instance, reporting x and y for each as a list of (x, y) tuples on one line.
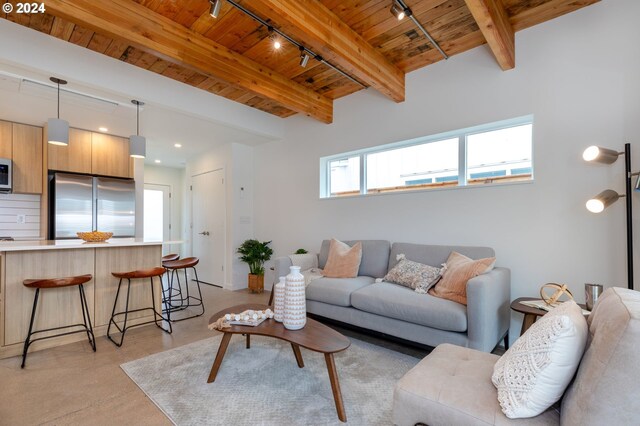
[(20, 216)]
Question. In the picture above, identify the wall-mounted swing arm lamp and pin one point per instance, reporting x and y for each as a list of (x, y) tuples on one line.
[(607, 197)]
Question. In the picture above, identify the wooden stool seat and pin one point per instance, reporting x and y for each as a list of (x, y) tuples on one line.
[(187, 262), (57, 282), (140, 273), (170, 257)]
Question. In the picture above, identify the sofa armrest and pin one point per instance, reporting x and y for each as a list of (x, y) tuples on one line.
[(488, 315)]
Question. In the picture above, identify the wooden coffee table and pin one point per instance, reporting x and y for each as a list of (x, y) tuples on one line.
[(314, 336)]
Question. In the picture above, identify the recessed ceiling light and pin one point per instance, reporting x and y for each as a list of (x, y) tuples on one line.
[(158, 161), (103, 129), (177, 145)]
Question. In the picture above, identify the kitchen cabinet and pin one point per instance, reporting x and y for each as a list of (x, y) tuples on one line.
[(110, 156), (5, 139), (27, 159), (76, 157)]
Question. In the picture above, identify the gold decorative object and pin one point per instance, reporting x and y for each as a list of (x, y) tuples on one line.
[(558, 291), (95, 236)]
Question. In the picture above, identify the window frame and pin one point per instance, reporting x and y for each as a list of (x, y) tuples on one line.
[(460, 134)]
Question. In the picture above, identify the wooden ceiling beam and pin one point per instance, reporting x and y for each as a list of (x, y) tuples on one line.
[(312, 24), (496, 28), (155, 34)]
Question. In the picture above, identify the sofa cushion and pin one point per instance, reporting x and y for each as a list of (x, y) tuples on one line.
[(375, 256), (434, 255), (394, 301), (343, 261), (336, 291), (452, 386), (534, 373), (605, 390), (458, 270)]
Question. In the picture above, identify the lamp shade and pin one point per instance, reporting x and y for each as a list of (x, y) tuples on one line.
[(58, 132), (600, 155), (603, 200), (137, 146)]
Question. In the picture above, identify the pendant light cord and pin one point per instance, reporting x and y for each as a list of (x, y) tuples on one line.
[(138, 119), (58, 100)]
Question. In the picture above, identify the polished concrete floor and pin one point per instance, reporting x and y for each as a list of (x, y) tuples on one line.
[(71, 384)]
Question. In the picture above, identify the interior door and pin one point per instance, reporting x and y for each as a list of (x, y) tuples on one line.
[(208, 225), (157, 214)]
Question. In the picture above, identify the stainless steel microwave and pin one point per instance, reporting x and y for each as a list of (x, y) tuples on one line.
[(5, 175)]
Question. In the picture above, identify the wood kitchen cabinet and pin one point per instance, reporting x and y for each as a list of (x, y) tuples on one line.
[(27, 159), (110, 156), (5, 139), (76, 157)]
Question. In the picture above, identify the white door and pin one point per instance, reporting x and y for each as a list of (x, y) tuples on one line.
[(208, 225), (157, 214)]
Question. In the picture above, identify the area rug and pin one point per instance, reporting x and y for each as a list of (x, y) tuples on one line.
[(264, 386)]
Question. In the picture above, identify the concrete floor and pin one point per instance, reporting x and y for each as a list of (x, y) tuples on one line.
[(70, 384)]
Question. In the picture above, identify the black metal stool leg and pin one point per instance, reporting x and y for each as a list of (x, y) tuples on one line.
[(28, 341), (87, 318), (126, 314), (156, 314), (195, 273)]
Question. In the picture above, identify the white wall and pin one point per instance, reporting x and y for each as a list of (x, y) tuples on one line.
[(237, 162), (577, 74), (14, 205), (175, 179)]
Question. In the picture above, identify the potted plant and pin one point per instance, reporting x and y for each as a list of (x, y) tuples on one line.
[(255, 253), (301, 251)]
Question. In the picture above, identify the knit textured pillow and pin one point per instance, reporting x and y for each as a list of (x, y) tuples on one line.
[(459, 270), (418, 276), (534, 373), (343, 261)]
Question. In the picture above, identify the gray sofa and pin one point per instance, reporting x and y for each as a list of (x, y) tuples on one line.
[(399, 311), (452, 385)]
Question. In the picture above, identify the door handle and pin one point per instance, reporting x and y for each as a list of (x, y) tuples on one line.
[(203, 233)]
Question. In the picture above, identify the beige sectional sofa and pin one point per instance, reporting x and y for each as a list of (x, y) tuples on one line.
[(452, 385), (399, 311)]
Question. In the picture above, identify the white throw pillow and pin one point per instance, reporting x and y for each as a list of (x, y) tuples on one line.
[(534, 373)]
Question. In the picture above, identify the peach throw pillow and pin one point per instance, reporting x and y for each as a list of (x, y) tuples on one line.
[(459, 270), (343, 261)]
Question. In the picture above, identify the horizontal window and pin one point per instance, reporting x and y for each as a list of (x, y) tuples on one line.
[(491, 153)]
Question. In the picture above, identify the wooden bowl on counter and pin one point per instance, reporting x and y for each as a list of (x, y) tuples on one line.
[(95, 236)]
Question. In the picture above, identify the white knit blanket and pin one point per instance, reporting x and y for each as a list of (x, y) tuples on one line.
[(308, 264)]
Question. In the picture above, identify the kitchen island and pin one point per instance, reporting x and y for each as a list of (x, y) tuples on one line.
[(20, 260)]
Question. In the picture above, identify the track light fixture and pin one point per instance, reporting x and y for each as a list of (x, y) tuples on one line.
[(278, 36), (399, 11), (137, 143), (304, 57), (57, 129), (214, 10)]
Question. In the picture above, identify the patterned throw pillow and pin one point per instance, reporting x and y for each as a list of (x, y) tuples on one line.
[(534, 373), (417, 276)]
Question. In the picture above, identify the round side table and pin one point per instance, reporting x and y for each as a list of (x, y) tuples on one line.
[(530, 314)]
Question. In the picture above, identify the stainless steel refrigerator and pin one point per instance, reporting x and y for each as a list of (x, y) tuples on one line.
[(82, 203)]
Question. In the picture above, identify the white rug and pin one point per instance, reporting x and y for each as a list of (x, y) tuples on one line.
[(264, 386)]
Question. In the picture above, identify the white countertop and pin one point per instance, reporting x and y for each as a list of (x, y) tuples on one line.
[(77, 244)]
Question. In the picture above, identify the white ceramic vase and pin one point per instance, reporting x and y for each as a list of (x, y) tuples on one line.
[(295, 303), (278, 300)]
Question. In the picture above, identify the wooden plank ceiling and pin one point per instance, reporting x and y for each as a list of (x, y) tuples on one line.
[(233, 56)]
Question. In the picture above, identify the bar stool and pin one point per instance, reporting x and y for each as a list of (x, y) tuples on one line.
[(178, 291), (188, 300), (139, 274), (59, 283)]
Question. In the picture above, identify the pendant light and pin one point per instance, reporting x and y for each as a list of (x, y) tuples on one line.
[(137, 143), (58, 130)]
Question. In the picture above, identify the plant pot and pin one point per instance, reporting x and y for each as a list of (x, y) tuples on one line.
[(256, 283)]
